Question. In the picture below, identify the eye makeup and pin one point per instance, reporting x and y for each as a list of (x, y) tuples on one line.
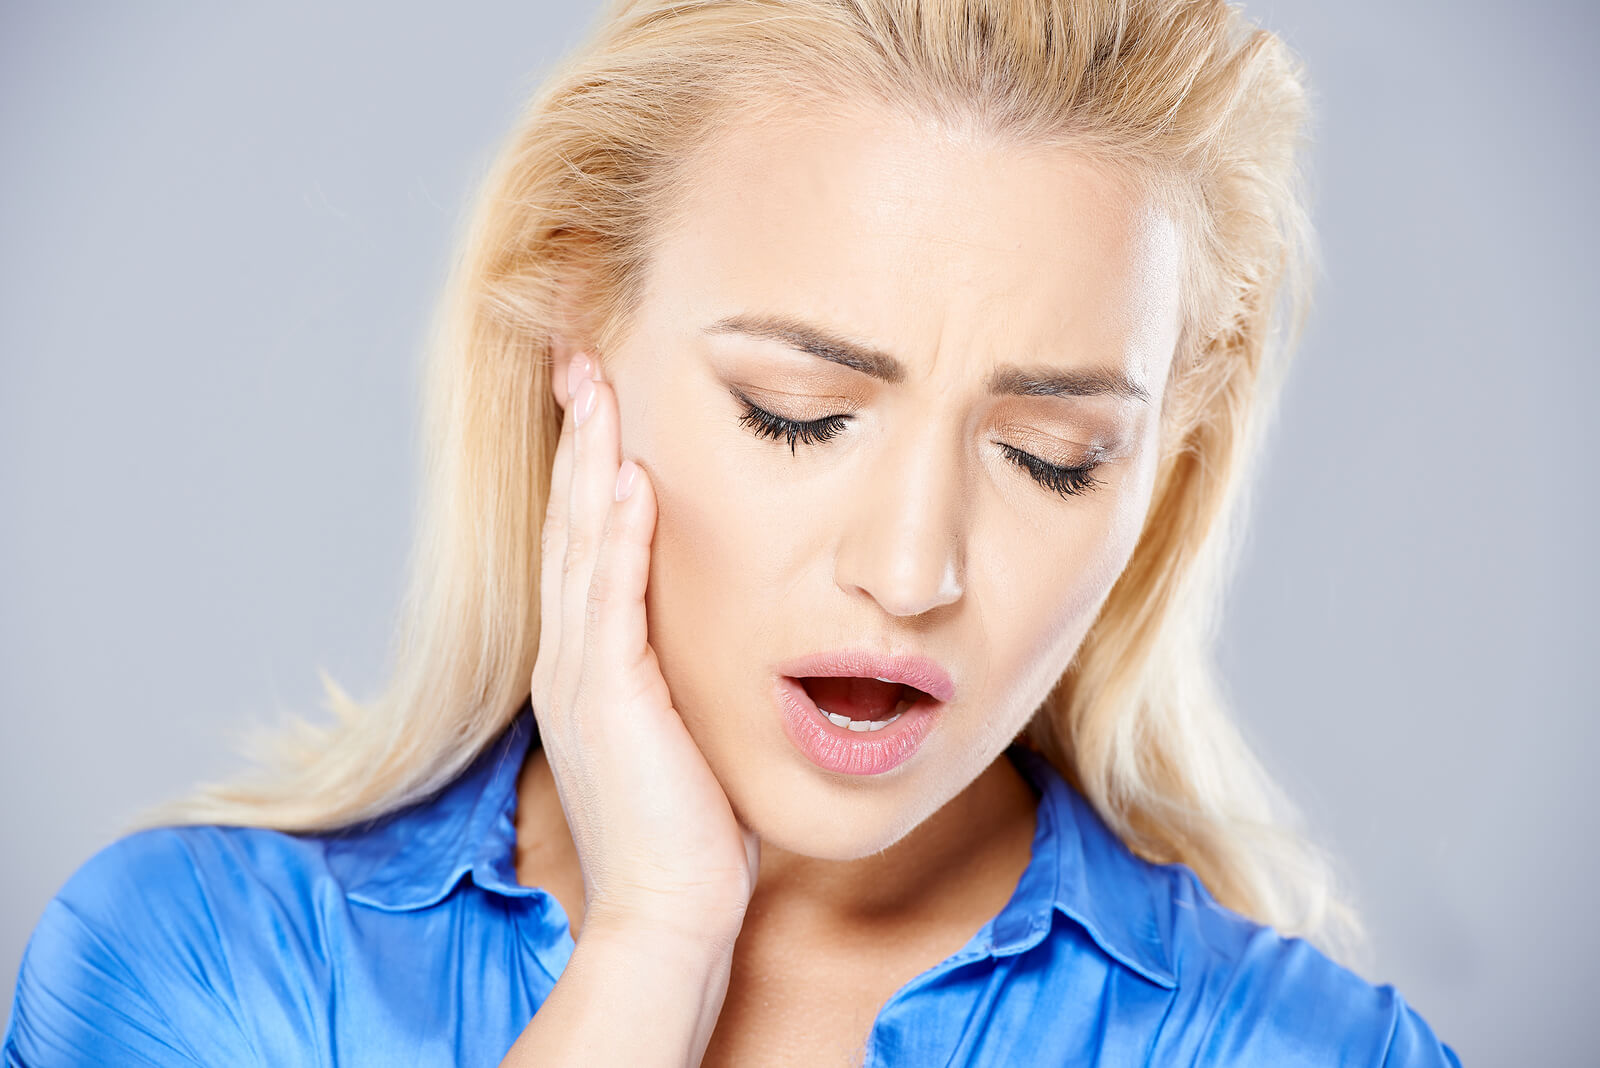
[(765, 424), (1062, 480), (1067, 481)]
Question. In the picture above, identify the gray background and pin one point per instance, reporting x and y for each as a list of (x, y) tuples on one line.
[(220, 230)]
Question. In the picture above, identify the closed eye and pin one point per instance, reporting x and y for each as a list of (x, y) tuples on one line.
[(764, 424), (1065, 481)]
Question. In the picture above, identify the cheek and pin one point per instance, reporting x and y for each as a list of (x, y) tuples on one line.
[(690, 594), (716, 599), (1044, 621), (713, 527), (694, 534), (1034, 626)]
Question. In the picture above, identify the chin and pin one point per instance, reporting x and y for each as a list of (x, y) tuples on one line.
[(804, 810), (823, 839)]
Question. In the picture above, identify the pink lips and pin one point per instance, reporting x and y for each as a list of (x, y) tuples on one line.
[(839, 749), (919, 671)]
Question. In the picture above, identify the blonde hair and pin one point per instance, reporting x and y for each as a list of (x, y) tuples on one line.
[(1185, 96)]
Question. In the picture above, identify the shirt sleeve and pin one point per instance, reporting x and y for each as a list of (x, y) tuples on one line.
[(1286, 1003), (1412, 1043), (118, 955)]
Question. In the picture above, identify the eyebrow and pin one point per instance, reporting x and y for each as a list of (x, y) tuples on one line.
[(1007, 379)]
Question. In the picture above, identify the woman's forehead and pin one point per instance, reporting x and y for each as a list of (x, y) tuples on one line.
[(896, 226)]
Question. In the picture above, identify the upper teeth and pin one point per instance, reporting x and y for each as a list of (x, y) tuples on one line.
[(865, 724)]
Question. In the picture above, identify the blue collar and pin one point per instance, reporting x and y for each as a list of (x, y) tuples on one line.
[(415, 856)]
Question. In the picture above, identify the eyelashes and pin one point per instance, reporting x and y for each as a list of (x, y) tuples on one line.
[(1065, 481), (764, 424)]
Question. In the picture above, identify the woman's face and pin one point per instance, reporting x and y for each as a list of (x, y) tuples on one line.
[(916, 527)]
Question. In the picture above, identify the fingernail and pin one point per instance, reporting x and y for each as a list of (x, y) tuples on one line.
[(584, 401), (625, 476), (577, 371)]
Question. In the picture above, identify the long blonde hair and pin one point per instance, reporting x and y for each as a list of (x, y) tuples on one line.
[(1185, 95)]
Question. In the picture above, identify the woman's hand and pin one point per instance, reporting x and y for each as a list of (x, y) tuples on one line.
[(659, 845)]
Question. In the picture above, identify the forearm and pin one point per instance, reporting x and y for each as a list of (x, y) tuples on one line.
[(629, 996)]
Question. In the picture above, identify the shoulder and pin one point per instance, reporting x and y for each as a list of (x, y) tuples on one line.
[(143, 936), (190, 886), (1250, 995)]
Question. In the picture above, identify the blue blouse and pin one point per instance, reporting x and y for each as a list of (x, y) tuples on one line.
[(410, 942)]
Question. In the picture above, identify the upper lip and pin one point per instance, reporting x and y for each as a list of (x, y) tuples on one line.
[(920, 671)]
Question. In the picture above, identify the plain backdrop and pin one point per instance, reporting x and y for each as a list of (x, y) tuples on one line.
[(222, 227)]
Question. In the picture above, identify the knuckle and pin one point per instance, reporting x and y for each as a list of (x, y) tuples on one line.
[(578, 550), (594, 604), (601, 597)]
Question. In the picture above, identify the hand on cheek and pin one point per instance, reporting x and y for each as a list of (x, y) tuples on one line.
[(656, 837)]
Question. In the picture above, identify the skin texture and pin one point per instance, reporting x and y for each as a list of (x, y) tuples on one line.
[(910, 531)]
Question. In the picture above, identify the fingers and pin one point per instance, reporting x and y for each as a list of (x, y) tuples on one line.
[(596, 455), (615, 613), (595, 549), (552, 561)]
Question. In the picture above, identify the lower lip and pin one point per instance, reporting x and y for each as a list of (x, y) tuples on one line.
[(835, 748)]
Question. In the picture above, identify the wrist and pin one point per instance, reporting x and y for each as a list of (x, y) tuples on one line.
[(669, 975), (685, 935)]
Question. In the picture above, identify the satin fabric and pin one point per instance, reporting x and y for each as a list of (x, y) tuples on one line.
[(410, 942)]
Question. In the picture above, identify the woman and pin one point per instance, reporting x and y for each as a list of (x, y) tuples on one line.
[(840, 414)]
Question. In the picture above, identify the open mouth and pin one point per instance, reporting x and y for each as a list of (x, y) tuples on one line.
[(855, 725), (860, 704)]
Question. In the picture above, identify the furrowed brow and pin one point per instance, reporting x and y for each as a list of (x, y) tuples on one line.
[(1007, 379)]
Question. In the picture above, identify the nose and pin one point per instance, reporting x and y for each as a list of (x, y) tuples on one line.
[(904, 541)]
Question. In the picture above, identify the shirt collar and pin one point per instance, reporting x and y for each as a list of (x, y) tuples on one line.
[(1081, 868), (414, 857)]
